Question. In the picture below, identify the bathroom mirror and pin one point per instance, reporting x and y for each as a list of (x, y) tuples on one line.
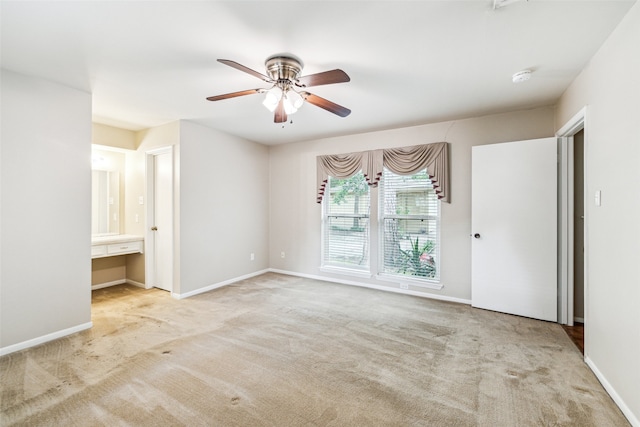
[(105, 202)]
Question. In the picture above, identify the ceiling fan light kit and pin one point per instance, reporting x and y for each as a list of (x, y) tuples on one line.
[(284, 98)]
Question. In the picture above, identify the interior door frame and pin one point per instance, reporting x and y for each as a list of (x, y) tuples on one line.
[(150, 270), (566, 221)]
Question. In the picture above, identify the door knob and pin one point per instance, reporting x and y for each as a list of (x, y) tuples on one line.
[(154, 228), (477, 235)]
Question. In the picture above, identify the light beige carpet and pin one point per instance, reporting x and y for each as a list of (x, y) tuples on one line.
[(284, 351)]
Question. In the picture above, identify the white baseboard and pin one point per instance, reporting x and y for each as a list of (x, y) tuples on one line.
[(217, 285), (633, 418), (134, 283), (117, 282), (371, 286), (45, 338), (578, 319), (107, 284)]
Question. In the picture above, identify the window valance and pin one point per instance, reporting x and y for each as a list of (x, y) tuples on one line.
[(402, 161)]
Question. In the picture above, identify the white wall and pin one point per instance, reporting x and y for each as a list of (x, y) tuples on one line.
[(296, 217), (46, 218), (610, 88), (224, 205)]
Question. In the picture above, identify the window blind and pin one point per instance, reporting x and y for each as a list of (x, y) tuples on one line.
[(409, 225), (346, 223)]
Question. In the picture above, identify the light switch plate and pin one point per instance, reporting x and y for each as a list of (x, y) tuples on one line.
[(598, 198)]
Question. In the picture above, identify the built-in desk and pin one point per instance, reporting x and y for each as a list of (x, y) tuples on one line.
[(117, 244)]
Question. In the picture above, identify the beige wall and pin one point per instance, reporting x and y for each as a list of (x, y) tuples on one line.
[(295, 217), (109, 269), (113, 136), (224, 207), (46, 197), (610, 88), (158, 137)]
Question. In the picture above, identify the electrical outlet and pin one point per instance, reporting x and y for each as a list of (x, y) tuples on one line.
[(404, 286), (252, 256), (282, 254)]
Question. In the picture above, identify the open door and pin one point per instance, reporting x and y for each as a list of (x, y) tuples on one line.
[(160, 219), (514, 228)]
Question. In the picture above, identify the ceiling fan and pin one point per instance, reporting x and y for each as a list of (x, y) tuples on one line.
[(287, 94)]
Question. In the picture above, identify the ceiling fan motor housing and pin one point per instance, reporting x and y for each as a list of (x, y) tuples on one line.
[(283, 68)]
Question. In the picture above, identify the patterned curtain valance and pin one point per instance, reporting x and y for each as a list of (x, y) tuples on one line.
[(403, 161)]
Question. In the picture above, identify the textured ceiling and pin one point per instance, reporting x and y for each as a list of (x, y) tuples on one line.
[(410, 62)]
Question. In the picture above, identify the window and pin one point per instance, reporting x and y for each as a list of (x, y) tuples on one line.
[(346, 223), (408, 220), (405, 246), (409, 226)]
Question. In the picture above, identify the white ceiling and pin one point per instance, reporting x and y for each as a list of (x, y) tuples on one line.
[(410, 62)]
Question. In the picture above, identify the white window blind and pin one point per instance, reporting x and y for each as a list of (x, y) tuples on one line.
[(346, 223), (410, 229)]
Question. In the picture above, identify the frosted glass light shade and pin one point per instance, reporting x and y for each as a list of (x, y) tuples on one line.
[(272, 98), (295, 98), (288, 106)]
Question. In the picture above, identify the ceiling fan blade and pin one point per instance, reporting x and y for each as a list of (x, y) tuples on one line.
[(245, 69), (324, 78), (326, 104), (280, 116), (234, 94)]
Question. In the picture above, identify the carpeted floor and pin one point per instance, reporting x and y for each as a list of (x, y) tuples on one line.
[(285, 351)]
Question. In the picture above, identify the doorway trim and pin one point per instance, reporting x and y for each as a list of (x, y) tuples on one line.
[(150, 264), (566, 221)]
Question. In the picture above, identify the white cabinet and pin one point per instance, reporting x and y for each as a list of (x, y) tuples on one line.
[(98, 251), (124, 248), (120, 244)]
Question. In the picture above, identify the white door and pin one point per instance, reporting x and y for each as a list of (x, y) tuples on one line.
[(162, 226), (514, 228)]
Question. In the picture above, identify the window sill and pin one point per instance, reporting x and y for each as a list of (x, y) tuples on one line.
[(421, 283), (346, 272)]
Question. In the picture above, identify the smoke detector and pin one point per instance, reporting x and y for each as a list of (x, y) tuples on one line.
[(521, 76), (497, 4)]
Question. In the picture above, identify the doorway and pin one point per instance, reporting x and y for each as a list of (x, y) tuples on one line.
[(575, 329), (578, 227), (160, 219), (573, 260)]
